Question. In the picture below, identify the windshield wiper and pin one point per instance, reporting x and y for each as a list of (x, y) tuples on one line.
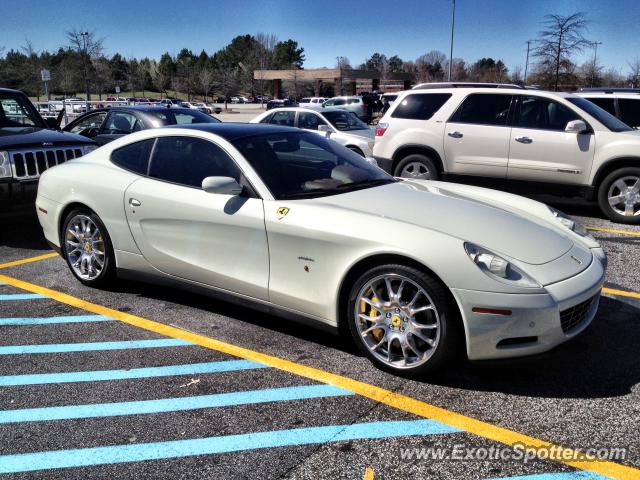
[(369, 182)]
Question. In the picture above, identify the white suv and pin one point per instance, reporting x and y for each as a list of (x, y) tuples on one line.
[(624, 103), (514, 135)]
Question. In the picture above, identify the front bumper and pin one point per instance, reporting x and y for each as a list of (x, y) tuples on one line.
[(534, 324)]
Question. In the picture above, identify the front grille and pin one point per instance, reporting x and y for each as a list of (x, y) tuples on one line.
[(574, 316), (29, 164)]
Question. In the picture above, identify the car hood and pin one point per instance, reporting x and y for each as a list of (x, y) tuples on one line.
[(460, 216), (41, 137)]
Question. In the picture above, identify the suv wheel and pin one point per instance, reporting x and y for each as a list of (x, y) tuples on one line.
[(401, 320), (417, 166), (619, 195)]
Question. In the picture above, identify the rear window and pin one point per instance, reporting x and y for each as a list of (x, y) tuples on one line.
[(630, 111), (420, 106), (607, 104), (134, 157)]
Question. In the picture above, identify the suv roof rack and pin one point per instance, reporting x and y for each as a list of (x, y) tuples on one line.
[(424, 86), (609, 90)]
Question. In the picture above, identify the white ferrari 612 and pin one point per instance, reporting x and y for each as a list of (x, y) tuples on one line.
[(295, 223)]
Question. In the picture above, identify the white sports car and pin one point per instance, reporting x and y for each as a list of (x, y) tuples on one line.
[(298, 224)]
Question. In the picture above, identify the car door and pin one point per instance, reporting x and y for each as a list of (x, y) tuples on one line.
[(476, 137), (213, 239), (541, 150), (118, 124)]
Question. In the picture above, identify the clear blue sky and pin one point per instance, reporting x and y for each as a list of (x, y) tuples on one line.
[(325, 28)]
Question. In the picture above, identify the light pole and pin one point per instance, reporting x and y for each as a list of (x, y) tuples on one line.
[(526, 64), (84, 36), (595, 53), (453, 23)]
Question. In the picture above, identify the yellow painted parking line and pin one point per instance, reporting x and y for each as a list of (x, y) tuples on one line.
[(621, 293), (609, 230), (486, 430), (15, 263), (368, 474)]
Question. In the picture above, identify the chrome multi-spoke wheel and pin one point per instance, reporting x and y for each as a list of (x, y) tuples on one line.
[(397, 321), (85, 246), (624, 196)]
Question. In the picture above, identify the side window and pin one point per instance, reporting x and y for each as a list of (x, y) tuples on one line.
[(630, 111), (329, 103), (134, 157), (121, 122), (420, 106), (607, 104), (188, 161), (484, 109), (92, 121), (286, 119), (267, 119), (310, 121), (543, 113), (340, 101)]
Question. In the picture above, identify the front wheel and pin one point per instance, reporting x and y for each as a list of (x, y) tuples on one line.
[(87, 248), (401, 320), (619, 195)]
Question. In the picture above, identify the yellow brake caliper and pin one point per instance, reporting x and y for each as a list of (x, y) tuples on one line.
[(373, 312)]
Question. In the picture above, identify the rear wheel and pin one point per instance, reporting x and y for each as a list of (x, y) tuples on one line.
[(417, 166), (619, 195), (87, 248), (401, 320)]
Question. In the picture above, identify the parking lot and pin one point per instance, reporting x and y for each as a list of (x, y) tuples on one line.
[(145, 381)]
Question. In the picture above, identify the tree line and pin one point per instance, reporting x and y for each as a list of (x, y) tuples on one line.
[(82, 66)]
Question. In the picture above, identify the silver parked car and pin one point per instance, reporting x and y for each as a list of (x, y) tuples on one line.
[(339, 125), (353, 104)]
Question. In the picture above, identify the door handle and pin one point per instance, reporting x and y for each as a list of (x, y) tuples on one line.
[(524, 140), (455, 134), (134, 202)]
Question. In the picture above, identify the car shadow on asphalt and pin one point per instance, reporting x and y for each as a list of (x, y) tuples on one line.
[(21, 229)]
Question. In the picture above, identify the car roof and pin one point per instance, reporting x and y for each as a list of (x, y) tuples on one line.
[(316, 109), (11, 90), (232, 131), (497, 91)]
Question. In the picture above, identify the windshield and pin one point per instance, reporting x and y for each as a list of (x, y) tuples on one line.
[(306, 165), (604, 117), (17, 112), (180, 117), (345, 121)]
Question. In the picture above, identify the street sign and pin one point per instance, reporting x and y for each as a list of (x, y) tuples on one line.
[(45, 74), (117, 89)]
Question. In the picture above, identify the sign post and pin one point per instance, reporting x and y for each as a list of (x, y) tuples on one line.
[(46, 77)]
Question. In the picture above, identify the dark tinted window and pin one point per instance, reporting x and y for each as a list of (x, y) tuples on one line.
[(630, 111), (134, 157), (188, 161), (542, 113), (484, 109), (420, 107), (607, 104), (604, 117)]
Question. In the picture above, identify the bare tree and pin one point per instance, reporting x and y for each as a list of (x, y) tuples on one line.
[(88, 47), (205, 79), (343, 63), (634, 74), (562, 37), (266, 43)]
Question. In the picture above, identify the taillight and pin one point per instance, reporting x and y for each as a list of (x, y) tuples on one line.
[(381, 128)]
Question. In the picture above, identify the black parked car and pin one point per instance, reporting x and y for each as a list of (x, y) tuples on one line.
[(277, 103), (28, 146), (106, 124)]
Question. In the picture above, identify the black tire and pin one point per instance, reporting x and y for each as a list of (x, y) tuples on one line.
[(450, 337), (603, 195), (108, 272), (356, 150), (417, 160)]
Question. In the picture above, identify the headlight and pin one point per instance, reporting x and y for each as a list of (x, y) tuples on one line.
[(498, 268), (568, 222), (89, 148), (5, 165)]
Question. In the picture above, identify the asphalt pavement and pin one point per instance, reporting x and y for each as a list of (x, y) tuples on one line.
[(85, 395)]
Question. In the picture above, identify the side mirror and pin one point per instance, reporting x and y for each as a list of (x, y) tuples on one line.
[(222, 185), (576, 126), (326, 129)]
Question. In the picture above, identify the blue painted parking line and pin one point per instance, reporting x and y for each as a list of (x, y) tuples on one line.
[(84, 457), (21, 296), (52, 320), (93, 346), (148, 372), (579, 475), (69, 412)]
